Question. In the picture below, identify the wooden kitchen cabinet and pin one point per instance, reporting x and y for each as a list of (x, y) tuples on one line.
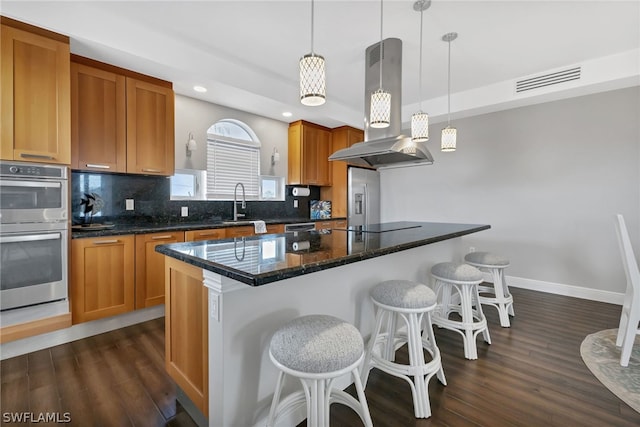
[(35, 94), (241, 231), (207, 234), (98, 119), (150, 267), (342, 137), (102, 277), (309, 150), (186, 331), (122, 121), (150, 128), (275, 228)]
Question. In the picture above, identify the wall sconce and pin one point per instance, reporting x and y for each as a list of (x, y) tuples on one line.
[(275, 156), (192, 145)]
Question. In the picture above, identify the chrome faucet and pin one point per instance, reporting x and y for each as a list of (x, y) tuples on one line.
[(237, 215)]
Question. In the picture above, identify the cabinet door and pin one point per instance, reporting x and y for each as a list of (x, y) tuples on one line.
[(323, 151), (150, 267), (35, 98), (309, 153), (209, 234), (102, 277), (150, 128), (98, 120)]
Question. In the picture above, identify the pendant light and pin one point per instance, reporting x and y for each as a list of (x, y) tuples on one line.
[(449, 134), (380, 99), (420, 120), (312, 75)]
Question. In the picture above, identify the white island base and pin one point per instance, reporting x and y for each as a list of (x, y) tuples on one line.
[(235, 386)]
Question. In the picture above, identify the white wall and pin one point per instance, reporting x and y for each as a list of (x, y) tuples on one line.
[(193, 115), (548, 178)]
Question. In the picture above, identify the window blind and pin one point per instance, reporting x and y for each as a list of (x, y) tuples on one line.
[(228, 163)]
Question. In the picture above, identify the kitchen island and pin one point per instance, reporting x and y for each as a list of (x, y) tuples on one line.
[(217, 335)]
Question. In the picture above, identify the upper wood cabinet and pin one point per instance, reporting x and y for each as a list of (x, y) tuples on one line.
[(309, 150), (150, 128), (341, 137), (150, 267), (98, 117), (35, 94), (122, 121)]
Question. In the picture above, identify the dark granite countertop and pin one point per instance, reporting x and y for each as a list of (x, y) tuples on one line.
[(259, 260), (115, 229)]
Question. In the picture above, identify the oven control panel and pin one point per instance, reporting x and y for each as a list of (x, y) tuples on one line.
[(32, 170)]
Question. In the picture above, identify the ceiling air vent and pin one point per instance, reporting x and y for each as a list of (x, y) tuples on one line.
[(548, 79)]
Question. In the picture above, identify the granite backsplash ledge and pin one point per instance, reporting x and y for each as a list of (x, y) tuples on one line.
[(106, 194)]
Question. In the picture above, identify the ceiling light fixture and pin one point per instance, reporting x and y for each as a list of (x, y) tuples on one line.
[(380, 99), (420, 120), (449, 134), (287, 114), (200, 89), (312, 76)]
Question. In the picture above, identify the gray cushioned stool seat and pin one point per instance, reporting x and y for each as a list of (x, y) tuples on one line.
[(403, 294), (487, 258), (317, 344), (456, 272)]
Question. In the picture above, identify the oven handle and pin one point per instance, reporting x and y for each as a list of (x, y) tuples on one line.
[(12, 183), (30, 238)]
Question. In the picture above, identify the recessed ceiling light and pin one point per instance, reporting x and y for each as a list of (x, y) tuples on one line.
[(200, 88), (287, 114)]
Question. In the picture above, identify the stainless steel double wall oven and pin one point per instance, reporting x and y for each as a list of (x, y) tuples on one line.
[(33, 235)]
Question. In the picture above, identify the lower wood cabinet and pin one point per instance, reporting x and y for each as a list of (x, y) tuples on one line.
[(150, 267), (275, 228), (207, 234), (240, 231), (186, 331), (102, 277)]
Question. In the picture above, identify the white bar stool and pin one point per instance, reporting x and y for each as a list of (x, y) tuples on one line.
[(464, 279), (501, 299), (317, 349), (412, 302)]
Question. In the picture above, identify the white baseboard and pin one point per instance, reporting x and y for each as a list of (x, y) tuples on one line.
[(79, 331), (567, 290)]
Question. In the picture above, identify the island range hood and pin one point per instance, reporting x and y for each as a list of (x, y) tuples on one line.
[(388, 147)]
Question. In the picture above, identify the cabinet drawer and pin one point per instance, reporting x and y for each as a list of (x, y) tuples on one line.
[(208, 234), (240, 231)]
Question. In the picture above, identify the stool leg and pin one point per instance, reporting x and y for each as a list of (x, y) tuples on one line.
[(499, 286), (431, 339), (361, 397), (366, 365), (389, 350), (443, 293), (480, 316), (466, 311), (421, 405), (276, 400), (317, 402)]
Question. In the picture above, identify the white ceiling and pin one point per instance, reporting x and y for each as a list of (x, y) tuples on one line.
[(246, 52)]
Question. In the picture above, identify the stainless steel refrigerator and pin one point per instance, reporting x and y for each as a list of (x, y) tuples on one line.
[(363, 207)]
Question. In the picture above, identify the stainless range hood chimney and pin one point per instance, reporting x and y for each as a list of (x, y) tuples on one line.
[(387, 147)]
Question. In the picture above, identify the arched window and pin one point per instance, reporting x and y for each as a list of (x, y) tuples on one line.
[(233, 156)]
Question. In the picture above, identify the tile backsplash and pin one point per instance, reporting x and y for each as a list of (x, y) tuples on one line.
[(151, 201)]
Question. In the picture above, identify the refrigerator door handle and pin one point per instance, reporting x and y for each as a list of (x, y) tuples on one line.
[(366, 205)]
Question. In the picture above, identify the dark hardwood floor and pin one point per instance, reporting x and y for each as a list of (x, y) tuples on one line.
[(531, 375)]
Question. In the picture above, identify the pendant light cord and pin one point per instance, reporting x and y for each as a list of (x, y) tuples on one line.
[(381, 44), (449, 87), (420, 68), (312, 27)]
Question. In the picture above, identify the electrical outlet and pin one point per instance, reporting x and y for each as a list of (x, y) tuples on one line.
[(472, 249), (295, 203), (129, 204), (184, 211)]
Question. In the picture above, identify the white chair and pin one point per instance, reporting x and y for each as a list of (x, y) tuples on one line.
[(496, 295), (317, 349), (411, 303), (630, 316)]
